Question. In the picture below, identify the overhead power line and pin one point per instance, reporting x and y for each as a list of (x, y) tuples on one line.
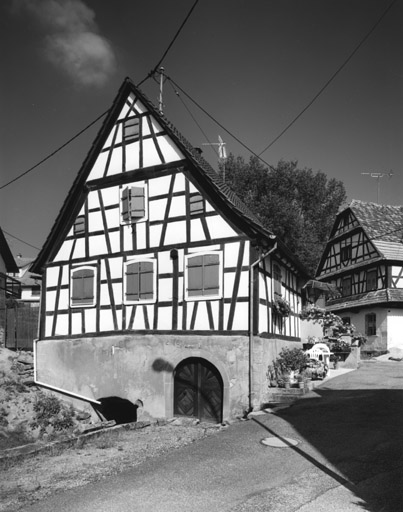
[(330, 79), (218, 123), (20, 240)]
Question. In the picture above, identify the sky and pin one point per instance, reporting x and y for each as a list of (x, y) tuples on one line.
[(253, 65)]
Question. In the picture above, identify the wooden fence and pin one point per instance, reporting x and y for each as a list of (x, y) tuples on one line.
[(22, 325)]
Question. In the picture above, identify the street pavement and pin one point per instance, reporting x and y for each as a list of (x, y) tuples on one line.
[(342, 451)]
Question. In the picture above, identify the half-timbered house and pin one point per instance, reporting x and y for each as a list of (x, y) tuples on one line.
[(9, 287), (364, 259), (158, 283)]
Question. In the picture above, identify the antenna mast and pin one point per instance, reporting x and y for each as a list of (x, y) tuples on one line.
[(378, 176), (160, 102), (222, 152)]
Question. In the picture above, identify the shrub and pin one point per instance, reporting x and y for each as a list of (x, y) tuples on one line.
[(50, 412), (292, 359)]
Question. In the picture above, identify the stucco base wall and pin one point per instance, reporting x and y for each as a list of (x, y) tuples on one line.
[(142, 367)]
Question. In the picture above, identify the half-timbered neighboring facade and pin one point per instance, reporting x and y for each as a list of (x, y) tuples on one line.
[(158, 283), (364, 259)]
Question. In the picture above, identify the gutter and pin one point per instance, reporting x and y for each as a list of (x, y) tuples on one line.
[(59, 390), (251, 320)]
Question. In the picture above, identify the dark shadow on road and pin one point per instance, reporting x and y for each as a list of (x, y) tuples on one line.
[(356, 423)]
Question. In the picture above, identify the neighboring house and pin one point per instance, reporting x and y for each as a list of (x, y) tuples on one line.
[(158, 283), (364, 259), (9, 287), (30, 283)]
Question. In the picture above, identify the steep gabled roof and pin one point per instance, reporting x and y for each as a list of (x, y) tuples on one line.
[(6, 254), (381, 222), (203, 172)]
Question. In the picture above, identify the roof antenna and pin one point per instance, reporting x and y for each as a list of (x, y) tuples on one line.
[(160, 102), (378, 176)]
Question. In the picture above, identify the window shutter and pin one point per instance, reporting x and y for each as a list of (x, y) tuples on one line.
[(132, 281), (146, 280), (131, 128), (137, 202), (125, 204)]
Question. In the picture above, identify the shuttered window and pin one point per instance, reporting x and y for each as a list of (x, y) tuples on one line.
[(345, 254), (131, 129), (203, 276), (346, 287), (83, 286), (140, 281), (277, 278), (79, 225), (133, 204), (370, 324)]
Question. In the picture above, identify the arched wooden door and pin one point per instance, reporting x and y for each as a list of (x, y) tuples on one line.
[(198, 390)]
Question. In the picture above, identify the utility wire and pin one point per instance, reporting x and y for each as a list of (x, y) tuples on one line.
[(19, 239), (330, 79), (192, 116), (218, 123), (174, 38)]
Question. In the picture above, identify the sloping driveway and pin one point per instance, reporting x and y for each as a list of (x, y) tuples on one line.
[(349, 457)]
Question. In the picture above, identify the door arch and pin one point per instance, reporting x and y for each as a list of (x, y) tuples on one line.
[(198, 390)]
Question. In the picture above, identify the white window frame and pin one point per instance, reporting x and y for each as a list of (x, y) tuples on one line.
[(94, 301), (138, 219), (140, 301), (194, 298)]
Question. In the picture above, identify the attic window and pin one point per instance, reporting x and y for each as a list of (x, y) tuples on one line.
[(131, 129), (196, 204), (371, 280), (133, 204), (345, 254), (346, 287), (79, 225)]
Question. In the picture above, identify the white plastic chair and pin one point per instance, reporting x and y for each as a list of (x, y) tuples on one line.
[(320, 352)]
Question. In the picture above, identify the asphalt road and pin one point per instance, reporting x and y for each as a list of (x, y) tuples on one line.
[(349, 457)]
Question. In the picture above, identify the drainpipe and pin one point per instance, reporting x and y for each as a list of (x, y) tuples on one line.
[(251, 319), (59, 390)]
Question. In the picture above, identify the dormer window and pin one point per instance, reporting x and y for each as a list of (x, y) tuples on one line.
[(196, 204), (371, 280), (345, 254), (346, 286), (133, 204), (79, 225)]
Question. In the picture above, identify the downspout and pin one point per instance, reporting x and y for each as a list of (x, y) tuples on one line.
[(59, 390), (251, 320)]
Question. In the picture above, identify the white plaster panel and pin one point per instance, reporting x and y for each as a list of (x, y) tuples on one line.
[(50, 300), (92, 198), (99, 166), (95, 222), (165, 289), (209, 207), (181, 291), (79, 250), (52, 276), (109, 139), (150, 154), (64, 299), (90, 320), (196, 231), (155, 235), (124, 111), (165, 318), (231, 254), (141, 235), (176, 232), (164, 263), (158, 186), (219, 228), (226, 311), (127, 238), (263, 324), (110, 196), (145, 127), (116, 161), (104, 298), (62, 325), (116, 265), (157, 209), (97, 245), (229, 280), (178, 207), (170, 151), (64, 251), (202, 322), (139, 107), (243, 290), (112, 217), (139, 319), (114, 239), (240, 322), (192, 188), (204, 248), (179, 185), (48, 326), (76, 323), (156, 126), (106, 320), (132, 156), (117, 292)]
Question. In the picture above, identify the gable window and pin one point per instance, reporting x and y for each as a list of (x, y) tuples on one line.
[(133, 204), (79, 225), (140, 281), (82, 287), (203, 276), (131, 128), (196, 204), (277, 278), (371, 280), (346, 286), (370, 324), (345, 254)]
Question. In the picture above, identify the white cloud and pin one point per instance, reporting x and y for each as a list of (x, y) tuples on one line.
[(72, 41)]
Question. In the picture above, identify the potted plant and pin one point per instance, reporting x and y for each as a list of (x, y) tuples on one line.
[(291, 361), (282, 307)]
